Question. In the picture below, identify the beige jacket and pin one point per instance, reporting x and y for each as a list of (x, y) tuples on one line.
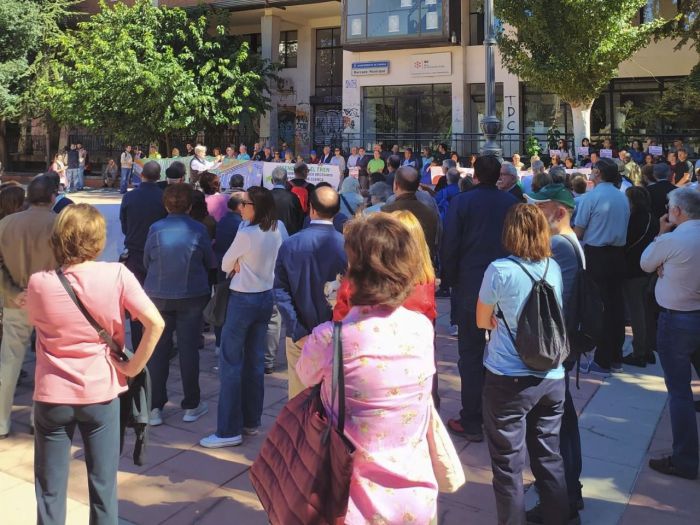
[(24, 249)]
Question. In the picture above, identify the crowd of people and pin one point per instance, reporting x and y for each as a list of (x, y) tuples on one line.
[(373, 254)]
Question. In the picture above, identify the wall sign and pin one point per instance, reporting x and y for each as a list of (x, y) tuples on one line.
[(432, 64), (363, 69)]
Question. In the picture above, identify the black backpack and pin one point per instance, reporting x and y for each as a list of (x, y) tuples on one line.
[(541, 339), (584, 313)]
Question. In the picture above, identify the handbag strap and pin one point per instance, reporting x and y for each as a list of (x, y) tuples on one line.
[(338, 380), (576, 251), (104, 335), (635, 243)]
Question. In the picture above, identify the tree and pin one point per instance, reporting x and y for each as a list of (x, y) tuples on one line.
[(25, 26), (142, 72), (679, 103), (571, 47)]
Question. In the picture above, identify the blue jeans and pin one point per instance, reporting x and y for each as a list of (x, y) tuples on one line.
[(81, 179), (242, 362), (677, 341), (72, 179), (54, 428), (183, 316), (124, 179)]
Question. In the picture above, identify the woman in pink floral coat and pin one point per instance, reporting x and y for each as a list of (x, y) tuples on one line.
[(389, 365)]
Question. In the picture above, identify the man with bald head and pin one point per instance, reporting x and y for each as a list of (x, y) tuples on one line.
[(406, 184), (140, 208), (305, 263)]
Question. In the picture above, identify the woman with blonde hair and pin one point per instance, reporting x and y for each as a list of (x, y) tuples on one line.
[(522, 407), (388, 362), (422, 296), (78, 379)]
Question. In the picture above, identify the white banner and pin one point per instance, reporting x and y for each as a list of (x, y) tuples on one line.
[(317, 173)]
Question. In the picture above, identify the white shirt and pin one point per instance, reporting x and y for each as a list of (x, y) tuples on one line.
[(353, 160), (679, 252), (126, 160), (198, 164), (256, 253)]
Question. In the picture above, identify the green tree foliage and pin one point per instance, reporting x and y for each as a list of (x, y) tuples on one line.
[(142, 72), (24, 28), (571, 47), (680, 103)]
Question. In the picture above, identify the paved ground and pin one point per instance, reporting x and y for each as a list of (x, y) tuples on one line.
[(624, 420)]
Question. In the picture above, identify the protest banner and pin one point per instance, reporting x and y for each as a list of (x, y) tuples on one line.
[(329, 173)]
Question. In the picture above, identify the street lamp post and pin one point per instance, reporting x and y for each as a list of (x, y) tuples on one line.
[(490, 124)]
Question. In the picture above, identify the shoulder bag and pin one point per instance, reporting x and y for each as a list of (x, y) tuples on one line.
[(302, 475), (215, 311), (447, 466), (135, 403)]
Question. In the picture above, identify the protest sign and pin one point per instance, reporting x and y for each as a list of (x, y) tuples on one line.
[(553, 152), (317, 173), (435, 174), (582, 151), (656, 150), (606, 154)]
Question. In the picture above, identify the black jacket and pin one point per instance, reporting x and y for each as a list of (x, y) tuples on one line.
[(658, 192), (288, 209), (427, 218), (642, 229), (139, 210)]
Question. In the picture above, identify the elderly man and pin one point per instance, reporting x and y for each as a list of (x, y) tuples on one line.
[(24, 250), (601, 222), (354, 157), (287, 204), (557, 203), (305, 263), (243, 153), (673, 256), (508, 181), (379, 192)]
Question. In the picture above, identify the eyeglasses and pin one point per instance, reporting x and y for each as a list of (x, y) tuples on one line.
[(247, 203)]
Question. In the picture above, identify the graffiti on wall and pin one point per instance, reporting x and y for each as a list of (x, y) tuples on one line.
[(351, 119), (302, 129), (328, 126), (510, 123)]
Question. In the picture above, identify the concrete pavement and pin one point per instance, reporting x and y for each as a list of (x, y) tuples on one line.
[(624, 420)]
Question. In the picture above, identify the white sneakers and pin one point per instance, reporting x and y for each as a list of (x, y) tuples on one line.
[(215, 441), (193, 414), (155, 418)]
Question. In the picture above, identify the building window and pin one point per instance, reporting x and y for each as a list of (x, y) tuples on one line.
[(476, 22), (329, 63), (289, 45), (477, 105), (390, 112), (394, 20), (609, 113), (253, 40)]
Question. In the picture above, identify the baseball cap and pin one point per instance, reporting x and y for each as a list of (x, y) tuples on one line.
[(552, 193)]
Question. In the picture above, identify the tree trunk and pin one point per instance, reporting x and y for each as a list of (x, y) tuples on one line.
[(582, 123), (3, 146)]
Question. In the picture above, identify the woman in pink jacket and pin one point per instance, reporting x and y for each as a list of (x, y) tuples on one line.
[(389, 366)]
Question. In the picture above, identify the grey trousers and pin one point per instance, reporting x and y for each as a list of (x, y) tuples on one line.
[(635, 297), (523, 415), (54, 427), (272, 338), (16, 339)]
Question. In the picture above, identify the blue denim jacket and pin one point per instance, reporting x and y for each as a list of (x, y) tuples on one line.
[(178, 256)]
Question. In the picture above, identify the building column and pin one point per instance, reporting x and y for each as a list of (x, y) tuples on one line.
[(352, 105), (459, 100), (270, 37)]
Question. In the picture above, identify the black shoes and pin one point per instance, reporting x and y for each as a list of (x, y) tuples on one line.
[(269, 370), (666, 466), (635, 360), (697, 406), (534, 515), (640, 361)]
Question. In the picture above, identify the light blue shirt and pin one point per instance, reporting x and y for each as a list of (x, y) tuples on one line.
[(508, 285), (243, 156), (603, 213)]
